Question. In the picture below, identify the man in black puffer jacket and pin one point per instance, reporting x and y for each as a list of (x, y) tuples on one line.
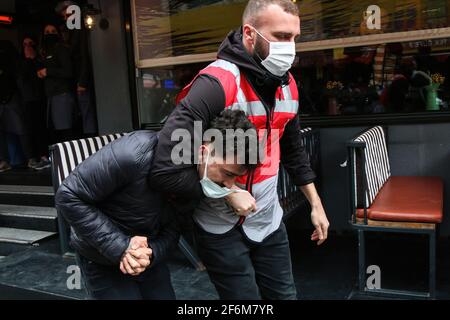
[(121, 229)]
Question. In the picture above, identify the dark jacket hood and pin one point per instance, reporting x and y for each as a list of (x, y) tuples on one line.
[(232, 49)]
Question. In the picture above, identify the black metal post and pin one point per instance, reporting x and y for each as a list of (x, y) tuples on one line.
[(432, 279), (362, 261)]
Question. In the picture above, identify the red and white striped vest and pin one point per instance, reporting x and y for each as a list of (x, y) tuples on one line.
[(240, 95)]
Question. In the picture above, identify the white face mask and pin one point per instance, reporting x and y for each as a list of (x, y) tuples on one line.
[(212, 189), (281, 57)]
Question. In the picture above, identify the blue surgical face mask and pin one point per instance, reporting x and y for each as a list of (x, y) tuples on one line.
[(212, 189)]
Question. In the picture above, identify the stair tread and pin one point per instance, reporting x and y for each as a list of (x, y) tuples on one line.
[(28, 211), (32, 190), (23, 236)]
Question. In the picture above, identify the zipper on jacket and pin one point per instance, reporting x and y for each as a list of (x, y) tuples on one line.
[(272, 111), (266, 107)]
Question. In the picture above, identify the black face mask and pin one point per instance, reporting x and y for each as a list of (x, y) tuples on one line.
[(50, 40)]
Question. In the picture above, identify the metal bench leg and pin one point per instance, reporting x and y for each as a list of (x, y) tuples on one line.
[(64, 233), (432, 276), (190, 254), (361, 261)]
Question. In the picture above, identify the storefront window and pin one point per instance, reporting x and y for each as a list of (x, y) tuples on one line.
[(345, 65), (158, 88), (386, 78), (168, 28), (172, 28)]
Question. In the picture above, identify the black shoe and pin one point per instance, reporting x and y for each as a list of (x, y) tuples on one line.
[(43, 164)]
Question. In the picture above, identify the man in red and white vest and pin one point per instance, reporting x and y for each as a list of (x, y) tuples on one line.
[(241, 237)]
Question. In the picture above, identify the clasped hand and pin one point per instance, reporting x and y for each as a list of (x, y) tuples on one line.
[(137, 257)]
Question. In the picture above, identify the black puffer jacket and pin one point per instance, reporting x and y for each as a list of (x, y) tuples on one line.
[(106, 201)]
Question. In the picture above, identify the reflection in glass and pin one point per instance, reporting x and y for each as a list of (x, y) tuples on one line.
[(385, 78), (158, 88), (166, 28)]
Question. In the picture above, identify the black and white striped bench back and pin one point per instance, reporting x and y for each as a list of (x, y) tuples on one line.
[(376, 167), (66, 156), (288, 193)]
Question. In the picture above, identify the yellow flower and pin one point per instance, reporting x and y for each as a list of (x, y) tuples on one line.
[(437, 78)]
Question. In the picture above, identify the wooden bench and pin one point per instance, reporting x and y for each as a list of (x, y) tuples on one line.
[(384, 203)]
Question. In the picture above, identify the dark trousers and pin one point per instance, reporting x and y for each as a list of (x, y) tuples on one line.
[(36, 112), (88, 114), (244, 270), (109, 283), (63, 135), (3, 147)]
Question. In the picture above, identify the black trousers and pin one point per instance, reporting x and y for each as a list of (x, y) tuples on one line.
[(244, 270), (36, 112), (109, 283)]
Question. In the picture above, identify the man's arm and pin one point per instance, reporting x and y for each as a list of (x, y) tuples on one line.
[(168, 235), (293, 155), (318, 216), (88, 185), (205, 101), (295, 160)]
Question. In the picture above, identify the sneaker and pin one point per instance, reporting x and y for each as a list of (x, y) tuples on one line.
[(4, 166), (43, 164), (32, 163)]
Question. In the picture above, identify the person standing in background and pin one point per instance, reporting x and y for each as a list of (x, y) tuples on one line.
[(12, 117), (77, 42), (57, 72), (34, 102)]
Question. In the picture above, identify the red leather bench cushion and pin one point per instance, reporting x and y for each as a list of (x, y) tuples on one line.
[(408, 199)]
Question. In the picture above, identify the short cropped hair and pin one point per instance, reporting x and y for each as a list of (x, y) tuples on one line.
[(254, 8)]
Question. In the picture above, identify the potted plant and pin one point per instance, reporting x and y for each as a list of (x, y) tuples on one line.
[(432, 91)]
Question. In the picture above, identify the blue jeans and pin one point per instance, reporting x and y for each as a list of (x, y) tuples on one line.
[(241, 269)]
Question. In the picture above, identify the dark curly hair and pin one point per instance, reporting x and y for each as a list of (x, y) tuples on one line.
[(240, 137)]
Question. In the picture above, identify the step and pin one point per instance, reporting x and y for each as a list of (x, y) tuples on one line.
[(23, 236), (25, 176), (42, 196), (29, 218)]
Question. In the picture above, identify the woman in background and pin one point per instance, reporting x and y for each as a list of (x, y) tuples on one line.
[(57, 72), (34, 102)]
